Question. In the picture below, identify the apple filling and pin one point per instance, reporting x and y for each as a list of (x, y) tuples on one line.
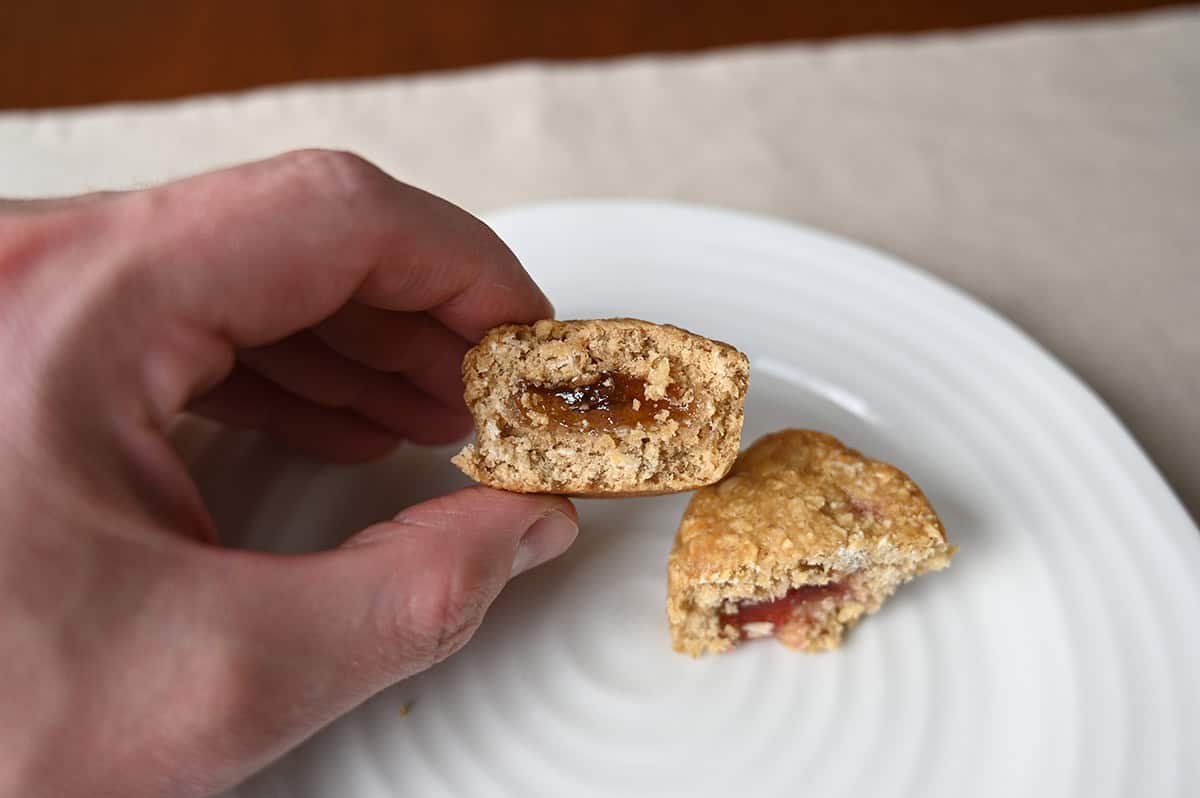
[(614, 401), (789, 617)]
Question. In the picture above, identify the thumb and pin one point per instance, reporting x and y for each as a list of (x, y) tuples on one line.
[(314, 635), (440, 564)]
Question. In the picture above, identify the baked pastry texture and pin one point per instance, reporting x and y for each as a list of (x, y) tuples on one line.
[(803, 538), (610, 407)]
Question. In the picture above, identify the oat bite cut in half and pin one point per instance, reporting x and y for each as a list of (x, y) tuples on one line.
[(801, 540), (609, 407)]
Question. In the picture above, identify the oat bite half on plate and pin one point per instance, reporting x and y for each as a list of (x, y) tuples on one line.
[(602, 407), (801, 540)]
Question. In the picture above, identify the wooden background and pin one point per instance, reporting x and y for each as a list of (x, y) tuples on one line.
[(72, 52)]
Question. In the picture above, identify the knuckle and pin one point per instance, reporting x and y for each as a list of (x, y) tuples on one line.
[(336, 171), (429, 621), (27, 239)]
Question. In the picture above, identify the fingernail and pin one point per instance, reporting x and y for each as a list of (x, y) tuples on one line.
[(549, 537)]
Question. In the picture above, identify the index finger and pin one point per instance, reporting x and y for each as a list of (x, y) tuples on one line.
[(258, 252)]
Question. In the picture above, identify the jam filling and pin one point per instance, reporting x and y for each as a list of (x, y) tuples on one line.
[(614, 401), (751, 619)]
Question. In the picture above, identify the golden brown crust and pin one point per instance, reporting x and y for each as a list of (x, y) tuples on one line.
[(518, 447), (798, 508)]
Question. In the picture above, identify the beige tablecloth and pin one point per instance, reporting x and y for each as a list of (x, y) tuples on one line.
[(1053, 171)]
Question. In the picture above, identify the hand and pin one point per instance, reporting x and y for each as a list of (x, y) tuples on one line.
[(310, 296)]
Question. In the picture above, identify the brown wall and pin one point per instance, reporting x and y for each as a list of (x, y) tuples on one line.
[(85, 51)]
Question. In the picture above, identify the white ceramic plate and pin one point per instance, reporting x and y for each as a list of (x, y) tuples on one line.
[(1058, 656)]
